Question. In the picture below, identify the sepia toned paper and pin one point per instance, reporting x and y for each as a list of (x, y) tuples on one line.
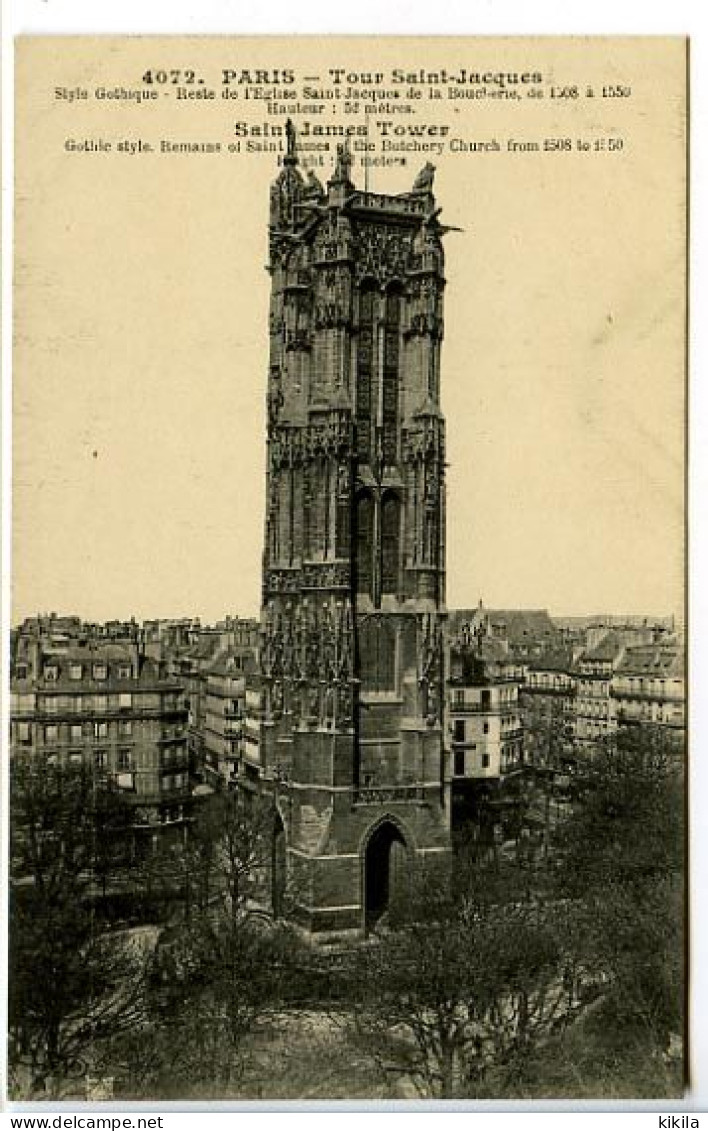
[(141, 297)]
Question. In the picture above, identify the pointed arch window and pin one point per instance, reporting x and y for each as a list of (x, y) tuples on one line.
[(365, 371), (319, 507), (306, 512), (343, 513), (365, 543), (392, 337), (376, 639), (390, 540)]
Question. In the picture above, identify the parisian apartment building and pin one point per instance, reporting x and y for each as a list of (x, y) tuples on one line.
[(81, 699)]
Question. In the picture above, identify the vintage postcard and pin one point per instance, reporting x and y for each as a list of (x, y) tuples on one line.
[(348, 701)]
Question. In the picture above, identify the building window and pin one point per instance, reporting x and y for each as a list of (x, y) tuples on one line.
[(101, 703), (23, 734), (75, 671), (76, 731), (459, 730), (485, 761), (75, 757), (459, 763), (100, 671), (485, 728), (125, 727), (100, 759), (100, 730), (125, 700), (51, 674), (51, 733), (125, 760), (124, 671), (458, 697)]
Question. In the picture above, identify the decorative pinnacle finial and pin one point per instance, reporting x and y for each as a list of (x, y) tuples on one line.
[(291, 156), (343, 167), (424, 181)]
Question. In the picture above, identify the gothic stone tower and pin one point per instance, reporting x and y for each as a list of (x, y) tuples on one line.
[(352, 732)]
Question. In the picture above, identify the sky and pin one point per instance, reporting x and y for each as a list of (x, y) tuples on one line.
[(141, 336)]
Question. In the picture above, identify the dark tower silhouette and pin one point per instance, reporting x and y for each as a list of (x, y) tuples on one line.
[(350, 718)]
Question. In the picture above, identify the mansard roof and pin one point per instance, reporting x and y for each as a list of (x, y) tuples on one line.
[(653, 661), (518, 625), (608, 649), (553, 660)]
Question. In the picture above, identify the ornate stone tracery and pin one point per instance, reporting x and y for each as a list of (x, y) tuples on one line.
[(381, 256)]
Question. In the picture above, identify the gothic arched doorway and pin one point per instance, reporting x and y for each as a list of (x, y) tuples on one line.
[(278, 867), (386, 867)]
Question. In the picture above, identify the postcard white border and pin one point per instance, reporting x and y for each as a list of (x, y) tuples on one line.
[(416, 17)]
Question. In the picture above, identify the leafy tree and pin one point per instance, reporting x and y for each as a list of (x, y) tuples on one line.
[(621, 858), (629, 826), (634, 935)]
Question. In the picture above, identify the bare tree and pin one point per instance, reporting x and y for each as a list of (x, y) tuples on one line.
[(71, 983), (464, 986), (223, 965)]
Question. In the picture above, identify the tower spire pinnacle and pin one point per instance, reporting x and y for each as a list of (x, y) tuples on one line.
[(291, 137), (343, 168)]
